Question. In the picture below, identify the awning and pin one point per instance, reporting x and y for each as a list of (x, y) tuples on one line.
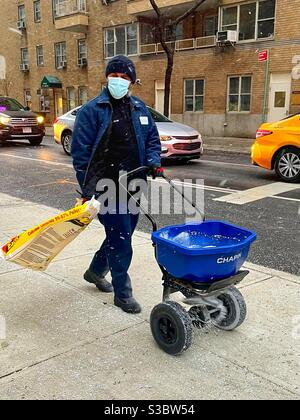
[(51, 82)]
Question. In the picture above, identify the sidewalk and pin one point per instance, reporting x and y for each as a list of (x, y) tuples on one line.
[(65, 340), (228, 144), (225, 144)]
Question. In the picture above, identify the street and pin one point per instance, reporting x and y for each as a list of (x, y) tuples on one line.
[(54, 325), (44, 175)]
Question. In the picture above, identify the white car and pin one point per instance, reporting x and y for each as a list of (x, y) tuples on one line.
[(179, 141)]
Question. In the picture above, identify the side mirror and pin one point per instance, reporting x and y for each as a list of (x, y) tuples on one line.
[(27, 108)]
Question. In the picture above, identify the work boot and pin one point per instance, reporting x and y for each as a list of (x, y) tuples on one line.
[(129, 305), (100, 282)]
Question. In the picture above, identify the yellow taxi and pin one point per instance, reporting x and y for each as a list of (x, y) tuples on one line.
[(277, 147)]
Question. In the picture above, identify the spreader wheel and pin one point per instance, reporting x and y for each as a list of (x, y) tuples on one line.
[(234, 310), (171, 327)]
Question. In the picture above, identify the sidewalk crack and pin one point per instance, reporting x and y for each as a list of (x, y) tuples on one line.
[(68, 350)]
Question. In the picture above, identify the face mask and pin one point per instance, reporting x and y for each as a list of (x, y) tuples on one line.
[(118, 87)]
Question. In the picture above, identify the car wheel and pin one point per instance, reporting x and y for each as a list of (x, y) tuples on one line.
[(287, 164), (66, 142), (36, 142)]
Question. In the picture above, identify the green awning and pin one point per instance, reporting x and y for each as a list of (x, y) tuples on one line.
[(51, 82)]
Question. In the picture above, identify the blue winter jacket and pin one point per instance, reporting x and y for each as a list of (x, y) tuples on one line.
[(93, 121)]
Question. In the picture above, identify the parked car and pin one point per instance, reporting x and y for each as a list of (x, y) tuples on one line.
[(179, 141), (18, 122), (277, 146)]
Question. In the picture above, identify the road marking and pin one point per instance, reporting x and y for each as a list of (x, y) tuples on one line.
[(48, 162), (229, 191), (196, 186), (228, 163), (258, 193), (287, 198), (59, 182)]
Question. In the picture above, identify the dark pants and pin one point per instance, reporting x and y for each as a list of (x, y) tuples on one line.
[(115, 254)]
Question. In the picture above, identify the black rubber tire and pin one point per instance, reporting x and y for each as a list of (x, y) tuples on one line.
[(289, 154), (236, 307), (66, 141), (171, 327), (36, 142)]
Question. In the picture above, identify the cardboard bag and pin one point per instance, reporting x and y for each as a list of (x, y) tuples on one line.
[(37, 247)]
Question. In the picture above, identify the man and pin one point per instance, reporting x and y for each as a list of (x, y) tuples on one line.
[(115, 132)]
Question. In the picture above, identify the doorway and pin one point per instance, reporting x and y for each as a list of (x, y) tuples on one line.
[(58, 104), (280, 95), (160, 96)]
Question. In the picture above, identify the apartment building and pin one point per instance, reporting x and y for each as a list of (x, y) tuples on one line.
[(55, 53)]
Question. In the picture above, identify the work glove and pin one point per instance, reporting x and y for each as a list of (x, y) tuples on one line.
[(156, 171)]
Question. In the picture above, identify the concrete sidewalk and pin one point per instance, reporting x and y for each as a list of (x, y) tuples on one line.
[(228, 144), (224, 144), (65, 340)]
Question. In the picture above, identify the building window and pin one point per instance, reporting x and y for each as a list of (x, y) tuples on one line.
[(40, 56), (239, 93), (177, 35), (230, 18), (60, 55), (121, 40), (210, 26), (82, 95), (254, 20), (21, 13), (37, 11), (82, 50), (266, 19), (45, 103), (194, 95), (24, 56), (71, 98), (63, 7)]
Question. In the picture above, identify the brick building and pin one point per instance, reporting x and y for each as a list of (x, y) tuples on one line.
[(56, 59)]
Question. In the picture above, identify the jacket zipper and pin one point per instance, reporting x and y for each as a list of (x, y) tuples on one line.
[(98, 141)]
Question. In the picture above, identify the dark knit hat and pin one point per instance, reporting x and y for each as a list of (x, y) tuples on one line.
[(121, 64)]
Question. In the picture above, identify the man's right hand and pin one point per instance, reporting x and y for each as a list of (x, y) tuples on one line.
[(156, 171)]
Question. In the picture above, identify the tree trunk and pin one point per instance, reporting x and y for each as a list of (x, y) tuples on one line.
[(168, 79)]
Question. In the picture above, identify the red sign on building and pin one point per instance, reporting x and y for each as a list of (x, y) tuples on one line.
[(263, 56)]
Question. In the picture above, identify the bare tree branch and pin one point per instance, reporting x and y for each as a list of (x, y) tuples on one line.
[(161, 28), (164, 22), (197, 4), (156, 8)]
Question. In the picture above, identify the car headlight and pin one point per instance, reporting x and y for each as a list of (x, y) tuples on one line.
[(40, 119), (4, 120), (166, 138)]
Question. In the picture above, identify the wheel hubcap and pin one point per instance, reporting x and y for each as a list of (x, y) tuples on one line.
[(167, 330), (289, 165), (67, 143)]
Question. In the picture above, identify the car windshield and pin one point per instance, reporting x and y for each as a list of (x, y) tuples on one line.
[(8, 104), (290, 116), (158, 117), (75, 111)]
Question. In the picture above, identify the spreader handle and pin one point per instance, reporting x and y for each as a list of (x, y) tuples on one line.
[(147, 214), (183, 196)]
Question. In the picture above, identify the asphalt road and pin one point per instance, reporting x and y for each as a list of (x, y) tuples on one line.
[(45, 175)]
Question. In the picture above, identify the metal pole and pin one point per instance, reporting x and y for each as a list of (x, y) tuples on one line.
[(267, 66)]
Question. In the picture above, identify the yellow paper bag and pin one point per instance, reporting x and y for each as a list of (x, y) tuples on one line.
[(37, 247)]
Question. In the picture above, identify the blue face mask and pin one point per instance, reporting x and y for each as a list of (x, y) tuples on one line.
[(118, 87)]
